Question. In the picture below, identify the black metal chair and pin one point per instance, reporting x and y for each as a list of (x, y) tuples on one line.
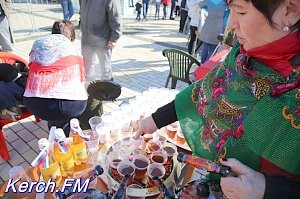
[(180, 64)]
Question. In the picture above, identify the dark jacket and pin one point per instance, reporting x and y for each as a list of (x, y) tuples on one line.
[(102, 18)]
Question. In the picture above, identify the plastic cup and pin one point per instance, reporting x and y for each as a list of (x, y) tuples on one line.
[(94, 122), (125, 167), (94, 140), (147, 137), (114, 158), (126, 131), (103, 132), (159, 137), (155, 170), (141, 162), (158, 157), (17, 172), (172, 129), (126, 146), (153, 145), (170, 151), (139, 145)]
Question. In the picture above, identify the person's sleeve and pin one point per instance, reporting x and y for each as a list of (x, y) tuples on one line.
[(165, 115), (278, 187), (114, 20)]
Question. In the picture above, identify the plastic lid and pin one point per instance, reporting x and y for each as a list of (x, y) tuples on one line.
[(42, 143), (74, 123), (59, 134)]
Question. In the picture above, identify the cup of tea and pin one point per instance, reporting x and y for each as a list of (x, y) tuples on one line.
[(170, 151), (180, 137), (114, 158), (155, 170), (158, 157), (125, 167), (172, 129), (147, 137), (153, 145), (141, 162), (139, 145)]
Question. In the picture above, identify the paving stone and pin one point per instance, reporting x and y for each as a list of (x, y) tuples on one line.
[(9, 147), (29, 155), (15, 158), (30, 125), (34, 144), (25, 135), (2, 161), (15, 126), (20, 146), (9, 135), (40, 133), (44, 125), (25, 165), (4, 171)]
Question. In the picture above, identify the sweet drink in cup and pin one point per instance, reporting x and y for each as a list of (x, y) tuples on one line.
[(170, 150), (141, 162), (155, 170)]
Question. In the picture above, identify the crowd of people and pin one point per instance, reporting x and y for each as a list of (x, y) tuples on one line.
[(245, 113)]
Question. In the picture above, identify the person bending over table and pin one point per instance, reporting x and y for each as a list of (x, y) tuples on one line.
[(55, 88), (248, 107)]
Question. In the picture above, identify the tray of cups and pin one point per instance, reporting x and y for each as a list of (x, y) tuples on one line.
[(143, 161), (174, 135)]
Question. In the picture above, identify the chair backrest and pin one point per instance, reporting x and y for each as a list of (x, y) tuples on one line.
[(180, 63)]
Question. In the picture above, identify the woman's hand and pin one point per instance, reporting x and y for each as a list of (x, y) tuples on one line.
[(146, 125), (248, 184)]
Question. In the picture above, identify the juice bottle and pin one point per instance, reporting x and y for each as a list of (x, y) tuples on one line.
[(50, 169), (78, 146), (63, 154)]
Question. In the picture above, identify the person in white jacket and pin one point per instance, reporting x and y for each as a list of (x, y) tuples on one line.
[(196, 23)]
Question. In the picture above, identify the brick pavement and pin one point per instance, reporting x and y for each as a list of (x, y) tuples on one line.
[(137, 65)]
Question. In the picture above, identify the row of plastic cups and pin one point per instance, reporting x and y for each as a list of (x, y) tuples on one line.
[(140, 167)]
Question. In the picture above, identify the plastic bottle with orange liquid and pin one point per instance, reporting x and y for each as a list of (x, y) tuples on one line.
[(63, 153), (49, 168), (78, 146)]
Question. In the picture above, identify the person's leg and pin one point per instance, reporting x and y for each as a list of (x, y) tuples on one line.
[(183, 17), (88, 54), (207, 51), (204, 52), (165, 12), (104, 56), (156, 10), (94, 108), (7, 98), (64, 6), (5, 36), (70, 9), (192, 39), (172, 9), (210, 51), (146, 11)]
